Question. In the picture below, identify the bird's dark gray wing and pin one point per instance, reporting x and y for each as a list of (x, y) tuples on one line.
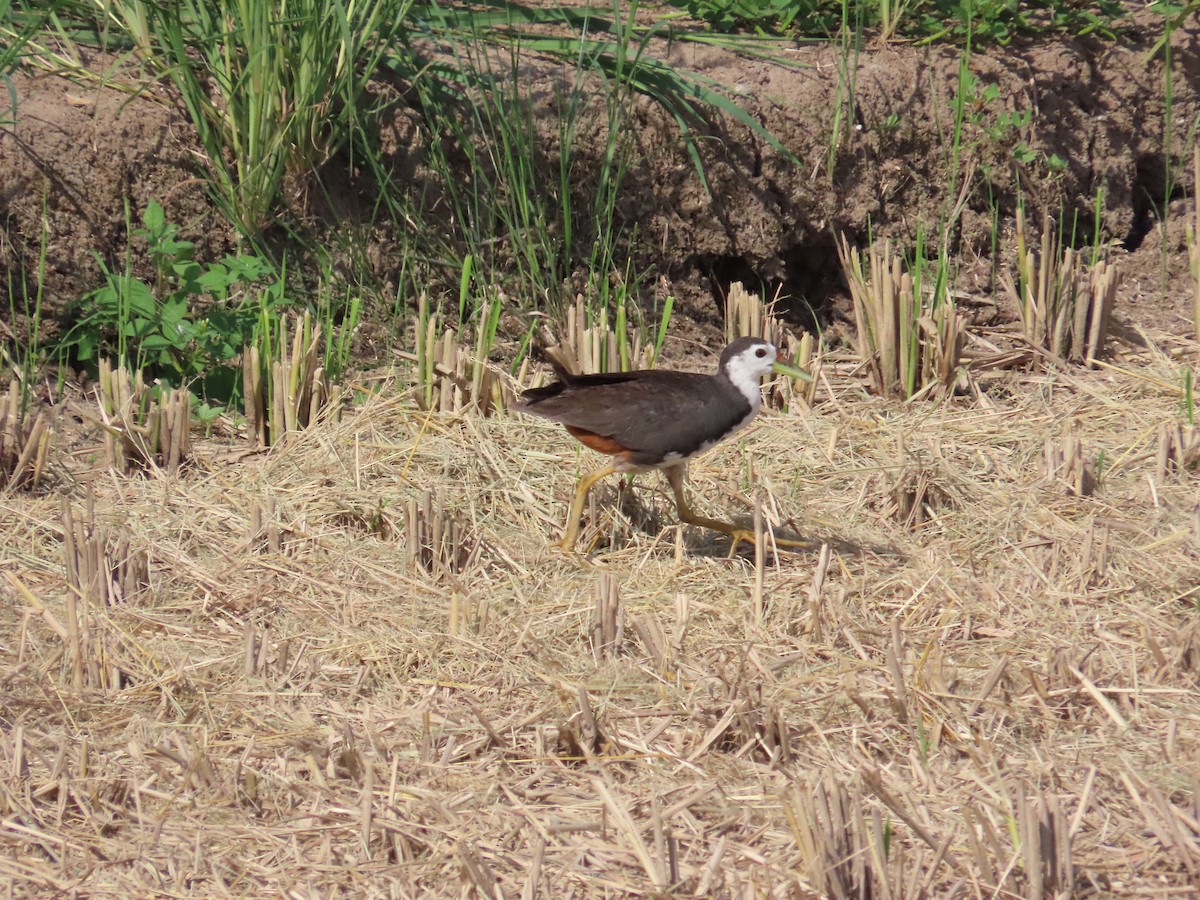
[(653, 413)]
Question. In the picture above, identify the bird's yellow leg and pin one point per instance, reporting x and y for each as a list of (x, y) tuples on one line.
[(675, 478), (736, 533), (576, 513)]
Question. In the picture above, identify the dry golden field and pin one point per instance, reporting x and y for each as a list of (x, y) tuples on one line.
[(980, 682)]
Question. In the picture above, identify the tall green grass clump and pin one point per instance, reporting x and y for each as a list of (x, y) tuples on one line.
[(21, 340), (274, 87), (511, 209), (513, 186), (538, 216), (12, 41)]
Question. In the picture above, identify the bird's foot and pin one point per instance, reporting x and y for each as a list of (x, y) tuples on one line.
[(737, 535)]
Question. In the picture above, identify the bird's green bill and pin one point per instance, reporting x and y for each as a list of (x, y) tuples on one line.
[(784, 368)]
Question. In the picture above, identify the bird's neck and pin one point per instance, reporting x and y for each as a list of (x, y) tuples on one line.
[(746, 384)]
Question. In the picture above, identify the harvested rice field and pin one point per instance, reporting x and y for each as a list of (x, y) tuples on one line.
[(247, 680)]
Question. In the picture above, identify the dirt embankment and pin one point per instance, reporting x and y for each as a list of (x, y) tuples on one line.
[(1054, 122)]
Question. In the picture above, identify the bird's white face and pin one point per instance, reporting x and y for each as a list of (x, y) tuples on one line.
[(747, 369)]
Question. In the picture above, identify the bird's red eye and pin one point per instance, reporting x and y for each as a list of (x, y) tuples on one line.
[(760, 352)]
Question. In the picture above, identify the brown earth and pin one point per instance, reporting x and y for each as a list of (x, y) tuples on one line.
[(83, 160)]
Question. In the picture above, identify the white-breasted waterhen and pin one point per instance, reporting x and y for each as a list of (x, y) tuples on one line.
[(656, 419)]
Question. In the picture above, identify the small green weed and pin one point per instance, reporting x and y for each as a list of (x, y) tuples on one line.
[(927, 21), (983, 120), (759, 16), (1024, 154), (1006, 122), (189, 325), (990, 131)]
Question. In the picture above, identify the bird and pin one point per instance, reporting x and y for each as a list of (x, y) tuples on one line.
[(656, 419)]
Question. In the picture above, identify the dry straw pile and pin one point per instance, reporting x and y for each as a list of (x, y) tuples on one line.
[(243, 680)]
